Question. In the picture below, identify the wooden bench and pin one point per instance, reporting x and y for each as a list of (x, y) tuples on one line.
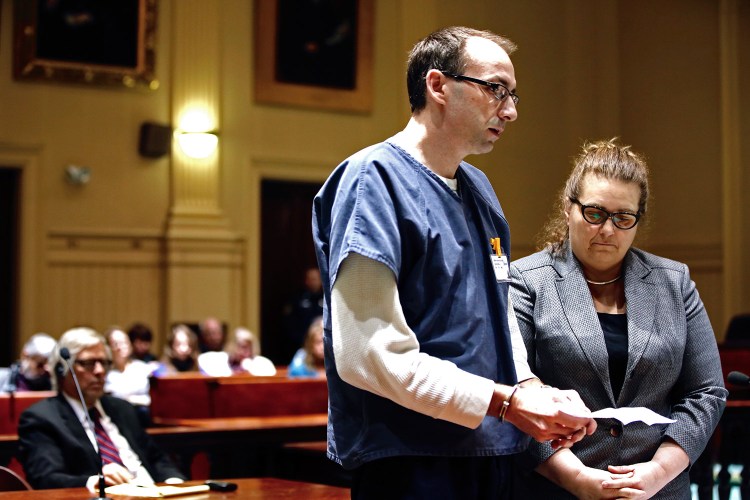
[(192, 444), (12, 405), (195, 396), (233, 397), (201, 415), (252, 416), (184, 395)]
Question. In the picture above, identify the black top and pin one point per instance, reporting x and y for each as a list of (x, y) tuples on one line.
[(615, 328)]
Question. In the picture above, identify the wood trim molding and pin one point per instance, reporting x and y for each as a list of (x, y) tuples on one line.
[(730, 156)]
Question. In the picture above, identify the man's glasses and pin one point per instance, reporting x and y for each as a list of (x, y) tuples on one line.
[(90, 364), (598, 216), (499, 91)]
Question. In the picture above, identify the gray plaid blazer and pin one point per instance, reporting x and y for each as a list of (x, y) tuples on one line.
[(673, 362)]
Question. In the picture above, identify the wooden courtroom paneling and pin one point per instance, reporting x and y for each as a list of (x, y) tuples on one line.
[(235, 397), (182, 395), (193, 395)]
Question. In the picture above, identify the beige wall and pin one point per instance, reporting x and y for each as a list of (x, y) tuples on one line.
[(669, 77)]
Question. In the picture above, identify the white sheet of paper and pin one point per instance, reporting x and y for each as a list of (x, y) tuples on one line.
[(133, 490), (629, 415)]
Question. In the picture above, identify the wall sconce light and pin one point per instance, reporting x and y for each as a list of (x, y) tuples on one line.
[(196, 133), (198, 145)]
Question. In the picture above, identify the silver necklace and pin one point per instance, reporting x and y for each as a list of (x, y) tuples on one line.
[(590, 282)]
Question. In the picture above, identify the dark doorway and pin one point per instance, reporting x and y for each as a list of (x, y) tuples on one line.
[(10, 184), (286, 252)]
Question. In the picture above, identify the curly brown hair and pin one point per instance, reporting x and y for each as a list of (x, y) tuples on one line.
[(606, 159)]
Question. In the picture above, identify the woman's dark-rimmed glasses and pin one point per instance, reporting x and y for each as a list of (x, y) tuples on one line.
[(598, 216), (499, 91)]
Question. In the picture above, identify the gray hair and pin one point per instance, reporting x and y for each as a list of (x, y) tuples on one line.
[(75, 340), (39, 344)]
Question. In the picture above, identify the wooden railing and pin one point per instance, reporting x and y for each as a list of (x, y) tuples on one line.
[(12, 405), (186, 396)]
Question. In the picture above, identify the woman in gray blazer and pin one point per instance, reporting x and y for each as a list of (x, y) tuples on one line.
[(624, 328)]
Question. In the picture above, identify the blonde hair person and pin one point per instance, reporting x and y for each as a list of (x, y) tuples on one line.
[(128, 377), (309, 360), (239, 356), (244, 354), (622, 327)]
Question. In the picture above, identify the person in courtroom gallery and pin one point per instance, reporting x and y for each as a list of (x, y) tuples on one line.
[(309, 360), (240, 356), (128, 378), (624, 328), (57, 446), (180, 352), (31, 372), (242, 350), (141, 337), (422, 352), (300, 311), (211, 335)]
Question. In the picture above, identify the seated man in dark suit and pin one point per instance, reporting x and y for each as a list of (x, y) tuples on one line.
[(58, 449)]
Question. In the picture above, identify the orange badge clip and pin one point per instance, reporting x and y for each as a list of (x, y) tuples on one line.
[(495, 243)]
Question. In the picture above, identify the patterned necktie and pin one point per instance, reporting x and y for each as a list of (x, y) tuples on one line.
[(106, 446)]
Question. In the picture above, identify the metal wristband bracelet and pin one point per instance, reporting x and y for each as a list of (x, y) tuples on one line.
[(506, 404)]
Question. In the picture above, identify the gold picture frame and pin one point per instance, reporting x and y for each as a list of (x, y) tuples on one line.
[(315, 54), (95, 42)]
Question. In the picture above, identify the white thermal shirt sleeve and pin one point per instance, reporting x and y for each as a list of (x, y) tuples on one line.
[(375, 350)]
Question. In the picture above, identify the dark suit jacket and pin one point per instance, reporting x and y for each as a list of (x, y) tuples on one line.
[(56, 453), (673, 363)]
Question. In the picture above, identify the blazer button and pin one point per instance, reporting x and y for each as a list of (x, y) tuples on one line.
[(615, 431)]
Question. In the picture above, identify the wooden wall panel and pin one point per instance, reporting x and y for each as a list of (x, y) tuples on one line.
[(101, 279)]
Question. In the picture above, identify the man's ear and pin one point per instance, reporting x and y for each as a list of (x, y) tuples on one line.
[(435, 85)]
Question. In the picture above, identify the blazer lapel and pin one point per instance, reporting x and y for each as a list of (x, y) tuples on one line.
[(579, 310), (75, 427), (640, 294)]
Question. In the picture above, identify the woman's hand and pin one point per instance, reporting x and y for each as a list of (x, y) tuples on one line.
[(567, 471), (644, 480), (650, 477), (589, 484)]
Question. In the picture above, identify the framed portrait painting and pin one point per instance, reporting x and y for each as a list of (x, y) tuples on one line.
[(85, 41), (314, 53)]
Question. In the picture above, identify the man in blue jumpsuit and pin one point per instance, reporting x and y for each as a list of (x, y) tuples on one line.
[(423, 354)]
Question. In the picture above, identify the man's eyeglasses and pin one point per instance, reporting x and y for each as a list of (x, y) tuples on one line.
[(598, 216), (499, 91), (90, 364)]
